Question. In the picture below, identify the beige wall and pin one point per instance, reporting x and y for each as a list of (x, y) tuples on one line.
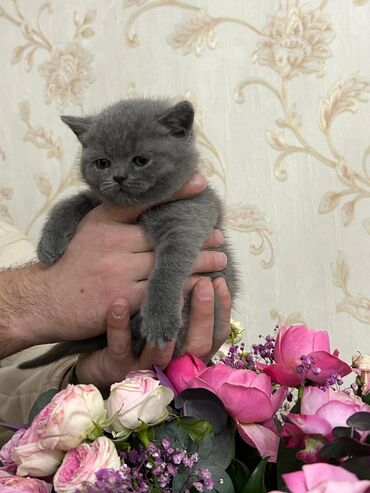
[(281, 91)]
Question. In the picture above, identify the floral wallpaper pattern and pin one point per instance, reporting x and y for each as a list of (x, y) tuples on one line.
[(281, 90)]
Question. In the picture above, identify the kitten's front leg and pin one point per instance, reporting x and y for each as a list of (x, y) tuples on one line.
[(175, 257), (61, 225)]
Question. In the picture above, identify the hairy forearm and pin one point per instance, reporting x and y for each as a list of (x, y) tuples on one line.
[(25, 308)]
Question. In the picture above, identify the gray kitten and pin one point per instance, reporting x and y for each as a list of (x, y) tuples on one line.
[(138, 153)]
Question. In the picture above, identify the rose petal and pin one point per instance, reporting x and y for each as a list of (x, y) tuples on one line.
[(308, 425), (298, 340), (277, 348), (260, 437), (312, 399), (216, 375), (277, 398), (321, 472), (342, 487), (328, 364), (336, 413), (238, 399), (321, 341), (248, 378), (283, 375), (295, 481)]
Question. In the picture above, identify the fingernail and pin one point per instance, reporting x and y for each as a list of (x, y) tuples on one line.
[(221, 260), (219, 237), (221, 286), (205, 290), (198, 181), (119, 311)]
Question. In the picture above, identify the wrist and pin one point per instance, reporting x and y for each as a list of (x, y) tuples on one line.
[(25, 317)]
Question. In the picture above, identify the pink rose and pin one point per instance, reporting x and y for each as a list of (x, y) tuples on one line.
[(66, 421), (295, 341), (140, 398), (6, 451), (83, 462), (324, 478), (61, 425), (237, 388), (33, 460), (321, 411), (16, 484), (182, 369)]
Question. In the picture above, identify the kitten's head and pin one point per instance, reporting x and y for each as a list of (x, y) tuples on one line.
[(137, 152)]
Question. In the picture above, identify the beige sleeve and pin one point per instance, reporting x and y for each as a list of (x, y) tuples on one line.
[(19, 389)]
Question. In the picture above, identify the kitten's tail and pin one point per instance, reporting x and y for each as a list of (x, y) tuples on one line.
[(67, 348)]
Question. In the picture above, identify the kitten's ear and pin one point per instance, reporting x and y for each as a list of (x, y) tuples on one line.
[(78, 124), (179, 119)]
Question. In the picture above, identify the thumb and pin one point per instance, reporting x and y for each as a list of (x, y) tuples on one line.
[(118, 328), (127, 215)]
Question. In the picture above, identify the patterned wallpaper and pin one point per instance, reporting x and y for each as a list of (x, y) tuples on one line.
[(281, 90)]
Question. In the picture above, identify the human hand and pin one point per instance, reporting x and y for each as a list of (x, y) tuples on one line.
[(111, 364), (108, 257)]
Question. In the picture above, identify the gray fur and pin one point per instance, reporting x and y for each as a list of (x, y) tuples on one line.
[(162, 132)]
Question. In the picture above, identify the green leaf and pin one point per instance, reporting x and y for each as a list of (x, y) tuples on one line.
[(196, 428), (359, 466), (223, 482), (366, 398), (345, 431), (175, 433), (360, 421), (239, 474), (96, 432), (179, 482), (202, 404), (342, 447), (121, 445), (42, 401), (286, 462), (256, 483)]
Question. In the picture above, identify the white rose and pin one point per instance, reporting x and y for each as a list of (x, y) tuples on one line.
[(137, 399)]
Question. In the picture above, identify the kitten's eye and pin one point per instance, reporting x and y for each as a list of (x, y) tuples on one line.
[(102, 163), (141, 161)]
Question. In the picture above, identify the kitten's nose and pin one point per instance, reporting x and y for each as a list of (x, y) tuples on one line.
[(119, 179)]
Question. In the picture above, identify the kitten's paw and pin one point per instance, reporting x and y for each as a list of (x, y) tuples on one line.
[(158, 329), (49, 250)]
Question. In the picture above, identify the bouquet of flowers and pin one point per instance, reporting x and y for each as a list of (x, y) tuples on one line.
[(276, 417)]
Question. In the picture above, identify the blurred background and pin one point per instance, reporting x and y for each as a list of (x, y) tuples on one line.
[(281, 92)]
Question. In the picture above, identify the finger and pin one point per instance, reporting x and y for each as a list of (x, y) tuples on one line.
[(118, 328), (215, 239), (108, 212), (155, 355), (111, 213), (201, 320), (194, 186), (222, 293), (209, 261)]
